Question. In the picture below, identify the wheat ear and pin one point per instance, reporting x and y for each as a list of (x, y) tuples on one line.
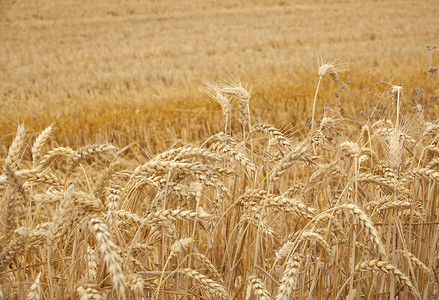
[(274, 133), (108, 250), (11, 250), (39, 143), (210, 286), (104, 179), (258, 287), (289, 160), (92, 266), (136, 284), (289, 278), (89, 292), (35, 289), (417, 262), (389, 269), (15, 149), (361, 217)]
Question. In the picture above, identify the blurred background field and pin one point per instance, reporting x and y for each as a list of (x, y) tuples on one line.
[(132, 72)]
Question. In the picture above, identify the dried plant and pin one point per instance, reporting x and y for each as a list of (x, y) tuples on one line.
[(232, 215)]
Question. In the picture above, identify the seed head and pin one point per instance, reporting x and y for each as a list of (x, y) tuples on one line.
[(214, 92), (395, 89), (328, 69)]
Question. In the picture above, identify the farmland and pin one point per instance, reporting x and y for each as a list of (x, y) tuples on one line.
[(223, 149)]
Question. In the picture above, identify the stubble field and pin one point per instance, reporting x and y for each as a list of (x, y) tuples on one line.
[(223, 149)]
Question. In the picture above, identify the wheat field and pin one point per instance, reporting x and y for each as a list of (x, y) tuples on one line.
[(220, 150)]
